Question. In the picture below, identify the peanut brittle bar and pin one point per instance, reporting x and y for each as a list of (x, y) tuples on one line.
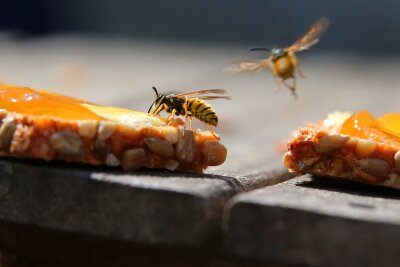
[(349, 146), (44, 125)]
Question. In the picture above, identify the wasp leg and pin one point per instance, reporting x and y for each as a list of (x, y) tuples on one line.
[(171, 116), (186, 118), (278, 84), (190, 122), (292, 87), (160, 108), (297, 65), (212, 131), (300, 71), (276, 78)]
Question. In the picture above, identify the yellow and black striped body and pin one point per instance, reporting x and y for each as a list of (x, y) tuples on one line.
[(195, 107), (202, 111), (283, 65)]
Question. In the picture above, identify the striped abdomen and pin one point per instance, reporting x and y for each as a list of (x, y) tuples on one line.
[(201, 110), (284, 67)]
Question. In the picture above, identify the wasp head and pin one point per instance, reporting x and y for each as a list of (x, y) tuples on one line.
[(160, 100), (277, 53)]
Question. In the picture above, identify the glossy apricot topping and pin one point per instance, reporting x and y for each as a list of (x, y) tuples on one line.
[(390, 123), (357, 123), (39, 102), (28, 101), (385, 129)]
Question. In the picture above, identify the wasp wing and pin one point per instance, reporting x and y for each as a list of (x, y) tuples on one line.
[(311, 37), (248, 66), (209, 97), (202, 92)]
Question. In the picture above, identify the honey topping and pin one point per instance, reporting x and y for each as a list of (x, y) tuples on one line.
[(385, 129), (43, 103)]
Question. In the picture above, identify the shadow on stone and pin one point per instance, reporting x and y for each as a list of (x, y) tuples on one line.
[(350, 187), (88, 169)]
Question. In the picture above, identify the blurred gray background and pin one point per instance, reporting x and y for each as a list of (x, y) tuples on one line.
[(357, 26)]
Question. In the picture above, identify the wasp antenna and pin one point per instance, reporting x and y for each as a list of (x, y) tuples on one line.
[(155, 90), (259, 49)]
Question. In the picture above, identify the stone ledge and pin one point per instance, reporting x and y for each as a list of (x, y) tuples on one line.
[(147, 207), (319, 222)]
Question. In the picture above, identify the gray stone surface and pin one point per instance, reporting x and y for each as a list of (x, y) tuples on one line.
[(316, 222), (147, 207)]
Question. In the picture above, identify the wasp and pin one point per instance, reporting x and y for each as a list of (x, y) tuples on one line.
[(189, 105), (282, 61)]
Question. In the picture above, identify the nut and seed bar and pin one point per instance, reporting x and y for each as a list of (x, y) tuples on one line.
[(321, 150), (121, 137)]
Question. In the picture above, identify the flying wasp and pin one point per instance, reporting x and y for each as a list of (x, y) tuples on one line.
[(283, 61), (189, 105)]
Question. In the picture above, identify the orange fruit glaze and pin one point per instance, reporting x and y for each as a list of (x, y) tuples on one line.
[(39, 102), (385, 129), (35, 102)]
